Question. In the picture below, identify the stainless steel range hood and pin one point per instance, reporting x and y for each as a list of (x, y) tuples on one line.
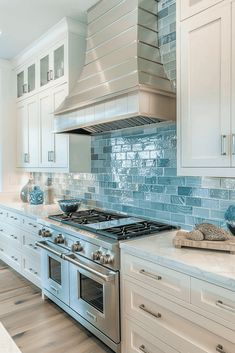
[(123, 83)]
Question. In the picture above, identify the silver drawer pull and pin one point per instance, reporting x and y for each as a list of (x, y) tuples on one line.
[(143, 349), (220, 349), (148, 274), (224, 306), (157, 316), (223, 145)]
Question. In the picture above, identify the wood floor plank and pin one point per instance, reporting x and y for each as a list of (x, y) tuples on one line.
[(39, 326)]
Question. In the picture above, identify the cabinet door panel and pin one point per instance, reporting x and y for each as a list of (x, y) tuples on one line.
[(45, 116), (60, 140), (205, 88), (233, 84), (192, 7), (22, 135), (33, 124)]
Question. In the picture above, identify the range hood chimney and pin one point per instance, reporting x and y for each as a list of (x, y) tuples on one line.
[(123, 83)]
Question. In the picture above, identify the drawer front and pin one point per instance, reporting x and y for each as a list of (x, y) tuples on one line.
[(189, 8), (11, 256), (12, 234), (31, 267), (159, 277), (218, 302), (3, 215), (31, 225), (28, 243), (14, 219), (159, 316), (138, 340)]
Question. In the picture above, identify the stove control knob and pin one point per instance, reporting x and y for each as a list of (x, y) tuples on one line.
[(59, 239), (76, 247), (44, 233), (96, 255), (106, 259)]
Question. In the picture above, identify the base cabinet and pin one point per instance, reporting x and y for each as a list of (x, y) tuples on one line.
[(18, 235), (156, 322)]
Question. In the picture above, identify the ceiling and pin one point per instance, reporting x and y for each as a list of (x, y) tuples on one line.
[(23, 21)]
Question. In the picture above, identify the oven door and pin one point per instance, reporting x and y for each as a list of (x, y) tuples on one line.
[(94, 294), (54, 271)]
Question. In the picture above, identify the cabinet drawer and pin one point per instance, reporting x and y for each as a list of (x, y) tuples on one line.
[(14, 219), (162, 278), (28, 243), (11, 234), (189, 8), (31, 225), (11, 256), (3, 215), (163, 319), (140, 341), (219, 303), (31, 269)]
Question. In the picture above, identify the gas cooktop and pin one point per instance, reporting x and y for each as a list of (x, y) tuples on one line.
[(112, 225)]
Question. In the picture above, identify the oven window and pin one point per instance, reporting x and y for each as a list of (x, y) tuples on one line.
[(92, 292), (55, 270)]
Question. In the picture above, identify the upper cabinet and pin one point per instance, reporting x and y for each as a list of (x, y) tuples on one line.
[(56, 58), (189, 8), (53, 67), (26, 80), (45, 74), (206, 128)]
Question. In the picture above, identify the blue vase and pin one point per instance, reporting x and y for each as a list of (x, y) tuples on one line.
[(36, 196)]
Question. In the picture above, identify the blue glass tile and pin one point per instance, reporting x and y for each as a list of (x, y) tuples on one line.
[(219, 194), (194, 201)]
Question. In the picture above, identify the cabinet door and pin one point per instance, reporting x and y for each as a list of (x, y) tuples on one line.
[(31, 78), (59, 62), (44, 70), (60, 158), (20, 79), (233, 84), (204, 89), (33, 131), (46, 126), (22, 135), (191, 7)]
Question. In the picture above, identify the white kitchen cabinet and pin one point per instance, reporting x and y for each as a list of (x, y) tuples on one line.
[(233, 84), (191, 7), (26, 79), (27, 133), (68, 153), (18, 235), (158, 321), (53, 65), (204, 93)]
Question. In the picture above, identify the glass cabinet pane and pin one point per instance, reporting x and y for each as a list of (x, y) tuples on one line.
[(59, 62), (31, 78), (44, 70), (20, 84)]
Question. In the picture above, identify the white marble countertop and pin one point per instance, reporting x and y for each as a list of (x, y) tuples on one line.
[(13, 202), (212, 266)]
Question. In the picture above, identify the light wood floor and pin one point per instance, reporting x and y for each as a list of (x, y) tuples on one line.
[(37, 326)]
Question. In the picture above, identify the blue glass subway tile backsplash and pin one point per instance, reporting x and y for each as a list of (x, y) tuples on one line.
[(133, 171)]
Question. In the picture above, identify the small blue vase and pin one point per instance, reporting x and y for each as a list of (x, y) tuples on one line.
[(36, 196)]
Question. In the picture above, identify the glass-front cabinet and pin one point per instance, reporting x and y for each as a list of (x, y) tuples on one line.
[(52, 66), (26, 80)]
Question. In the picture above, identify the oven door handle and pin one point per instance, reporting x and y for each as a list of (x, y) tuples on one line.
[(106, 278), (42, 245)]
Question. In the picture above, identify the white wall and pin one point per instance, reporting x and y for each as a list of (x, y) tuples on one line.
[(9, 178)]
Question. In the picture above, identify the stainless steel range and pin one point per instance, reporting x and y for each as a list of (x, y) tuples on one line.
[(81, 263)]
